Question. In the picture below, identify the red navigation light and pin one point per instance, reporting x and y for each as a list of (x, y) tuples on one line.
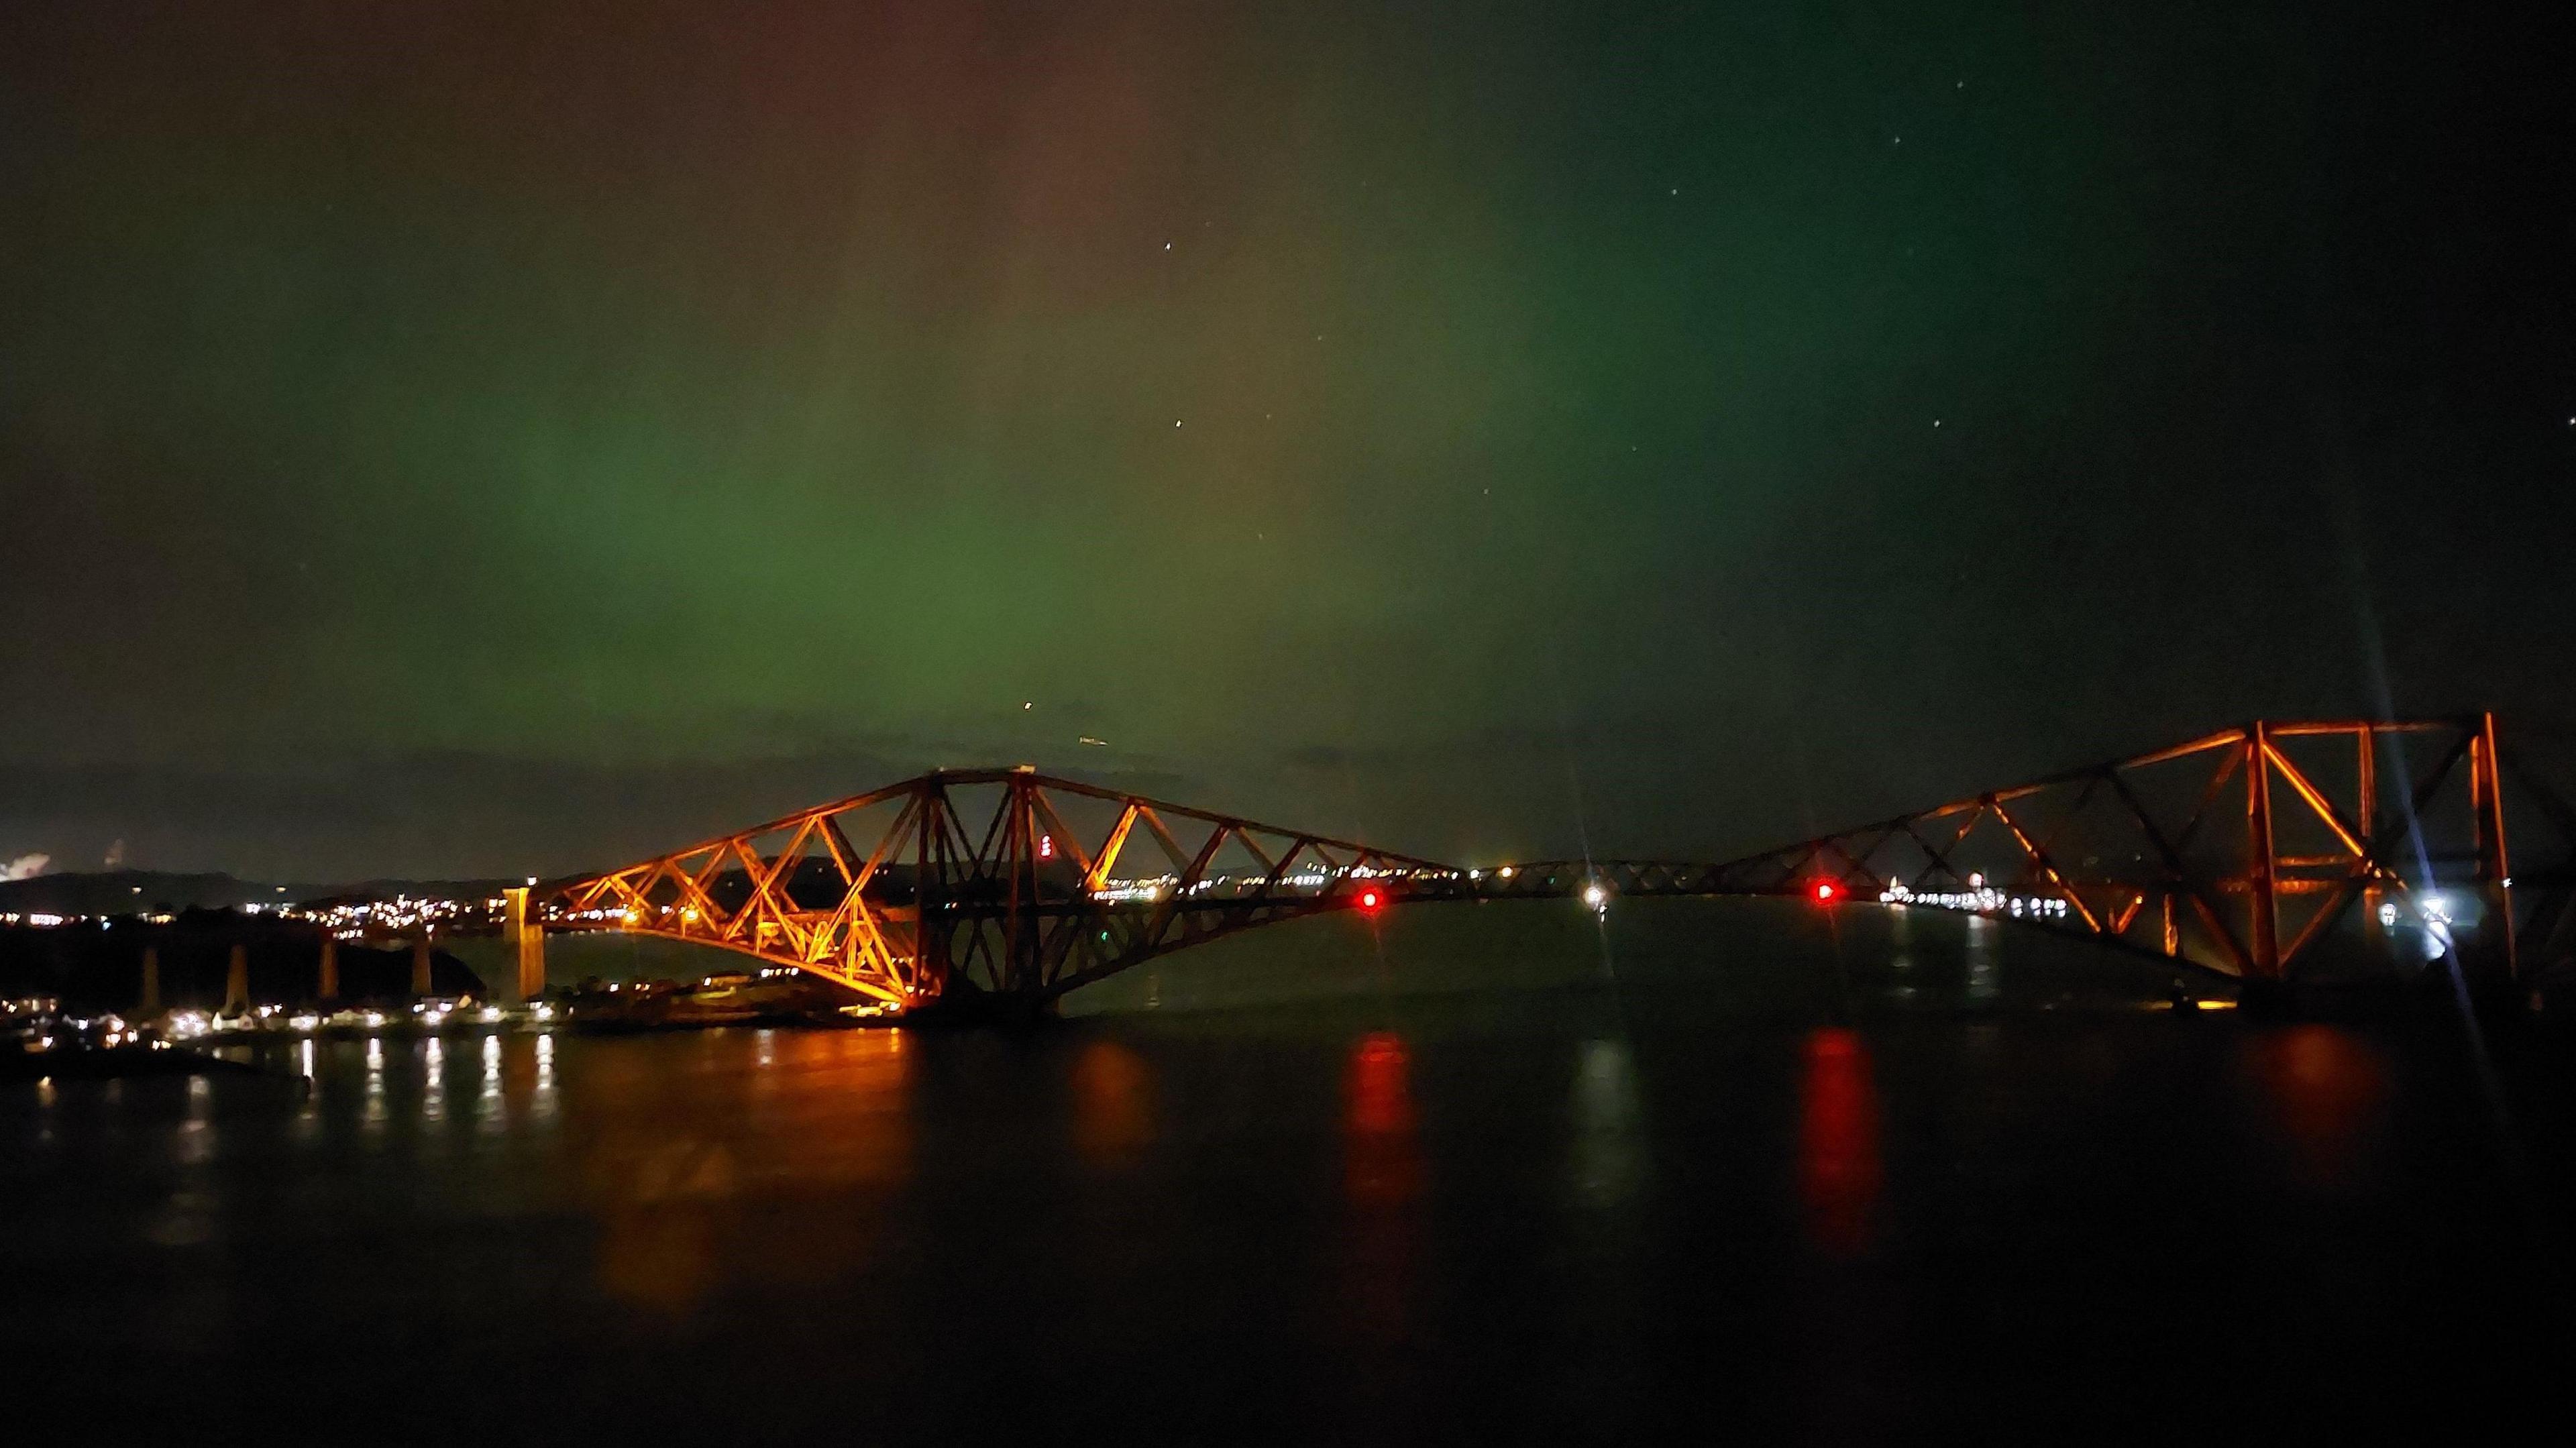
[(1826, 890), (1370, 899)]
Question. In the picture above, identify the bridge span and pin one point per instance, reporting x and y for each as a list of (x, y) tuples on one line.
[(2247, 852)]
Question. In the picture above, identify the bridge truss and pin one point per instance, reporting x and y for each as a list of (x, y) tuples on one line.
[(999, 883), (2240, 852)]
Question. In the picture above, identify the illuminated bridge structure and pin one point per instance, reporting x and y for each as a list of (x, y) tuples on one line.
[(2246, 853)]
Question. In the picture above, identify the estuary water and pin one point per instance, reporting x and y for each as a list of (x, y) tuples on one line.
[(1495, 1172)]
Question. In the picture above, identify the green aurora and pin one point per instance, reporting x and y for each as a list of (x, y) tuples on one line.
[(475, 438)]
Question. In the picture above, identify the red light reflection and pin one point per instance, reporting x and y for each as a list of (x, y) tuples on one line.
[(1838, 1166), (1382, 1177), (1385, 1162)]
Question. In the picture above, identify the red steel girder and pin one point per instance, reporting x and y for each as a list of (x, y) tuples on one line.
[(1007, 882), (1006, 895)]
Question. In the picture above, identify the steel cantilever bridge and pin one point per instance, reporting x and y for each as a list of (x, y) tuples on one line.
[(2243, 852)]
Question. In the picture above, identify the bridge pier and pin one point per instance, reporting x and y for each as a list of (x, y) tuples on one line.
[(237, 981), (964, 1006), (150, 1004), (420, 986), (528, 950), (327, 986)]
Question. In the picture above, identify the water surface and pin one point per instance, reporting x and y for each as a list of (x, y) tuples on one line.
[(1475, 1171)]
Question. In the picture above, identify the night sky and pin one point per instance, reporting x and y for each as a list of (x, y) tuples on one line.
[(448, 439)]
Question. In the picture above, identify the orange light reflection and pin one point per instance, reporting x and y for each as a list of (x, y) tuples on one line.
[(1113, 1107), (2326, 1087)]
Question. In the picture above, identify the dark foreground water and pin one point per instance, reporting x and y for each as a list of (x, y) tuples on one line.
[(1489, 1176)]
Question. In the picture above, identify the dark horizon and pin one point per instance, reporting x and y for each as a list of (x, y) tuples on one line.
[(446, 442)]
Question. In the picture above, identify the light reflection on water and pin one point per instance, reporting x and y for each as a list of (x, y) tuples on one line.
[(433, 1090), (1608, 1161), (197, 1133), (1900, 956), (490, 1114), (2327, 1092), (667, 1153), (1385, 1162), (372, 1118), (186, 1217), (543, 1107), (1594, 1198), (308, 1110), (1838, 1157), (1985, 972), (1383, 1181), (1113, 1109)]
